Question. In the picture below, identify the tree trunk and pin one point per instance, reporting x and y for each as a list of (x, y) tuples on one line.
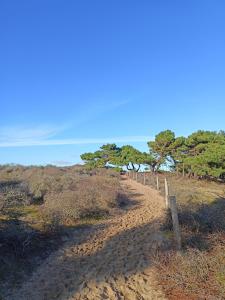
[(128, 168)]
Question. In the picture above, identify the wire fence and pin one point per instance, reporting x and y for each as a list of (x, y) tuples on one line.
[(164, 186)]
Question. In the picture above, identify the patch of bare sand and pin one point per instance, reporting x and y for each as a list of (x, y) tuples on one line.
[(113, 261)]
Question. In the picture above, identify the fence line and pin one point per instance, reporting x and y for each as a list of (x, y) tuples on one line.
[(174, 214), (170, 200)]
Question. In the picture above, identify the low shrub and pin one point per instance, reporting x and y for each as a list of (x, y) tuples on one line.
[(94, 196), (193, 272), (17, 237), (13, 193)]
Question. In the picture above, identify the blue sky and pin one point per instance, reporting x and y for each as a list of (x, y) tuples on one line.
[(77, 74)]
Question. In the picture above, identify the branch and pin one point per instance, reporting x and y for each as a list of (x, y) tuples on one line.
[(138, 167)]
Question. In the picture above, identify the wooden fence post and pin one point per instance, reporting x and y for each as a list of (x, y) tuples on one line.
[(150, 179), (144, 179), (137, 176), (157, 183), (166, 192), (176, 227)]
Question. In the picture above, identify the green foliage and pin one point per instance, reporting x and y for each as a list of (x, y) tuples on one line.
[(129, 156), (201, 154), (99, 159), (161, 149), (110, 154), (208, 162)]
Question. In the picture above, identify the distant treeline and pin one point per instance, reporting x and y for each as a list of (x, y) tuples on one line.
[(201, 154)]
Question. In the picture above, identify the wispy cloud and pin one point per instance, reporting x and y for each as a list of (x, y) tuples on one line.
[(55, 142), (61, 163), (19, 134), (110, 106), (47, 135)]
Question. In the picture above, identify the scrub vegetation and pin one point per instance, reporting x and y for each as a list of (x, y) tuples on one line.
[(197, 272), (40, 206)]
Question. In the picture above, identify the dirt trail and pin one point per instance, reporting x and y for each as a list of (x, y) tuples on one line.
[(112, 260)]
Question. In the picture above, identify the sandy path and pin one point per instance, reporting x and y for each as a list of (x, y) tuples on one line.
[(110, 261)]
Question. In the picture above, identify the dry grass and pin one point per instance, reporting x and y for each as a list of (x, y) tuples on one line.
[(197, 272), (193, 273)]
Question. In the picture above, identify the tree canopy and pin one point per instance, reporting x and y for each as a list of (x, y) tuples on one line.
[(201, 154), (110, 154), (204, 154)]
